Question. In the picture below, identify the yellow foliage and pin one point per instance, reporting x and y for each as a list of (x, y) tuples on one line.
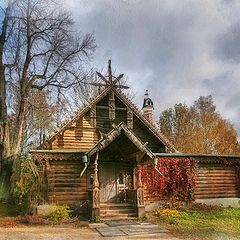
[(169, 213)]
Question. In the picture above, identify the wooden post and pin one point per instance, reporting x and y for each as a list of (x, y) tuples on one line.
[(96, 192), (139, 192)]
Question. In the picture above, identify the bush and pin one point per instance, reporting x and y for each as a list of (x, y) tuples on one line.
[(25, 185), (168, 213), (59, 214)]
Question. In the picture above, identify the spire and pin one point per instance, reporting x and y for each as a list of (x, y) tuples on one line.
[(148, 107)]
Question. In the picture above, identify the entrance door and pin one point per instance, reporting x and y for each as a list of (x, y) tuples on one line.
[(108, 182), (114, 179)]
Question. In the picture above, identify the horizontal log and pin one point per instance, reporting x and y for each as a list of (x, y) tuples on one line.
[(217, 177), (212, 189), (70, 189), (70, 202), (72, 180), (217, 174), (74, 140), (216, 170), (216, 185), (66, 167), (51, 184), (78, 139), (64, 174), (70, 194), (65, 163), (67, 198), (214, 196), (217, 192), (75, 144), (65, 171), (76, 132)]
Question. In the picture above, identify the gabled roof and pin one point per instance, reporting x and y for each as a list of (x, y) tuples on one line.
[(127, 101), (148, 124), (92, 101), (114, 133)]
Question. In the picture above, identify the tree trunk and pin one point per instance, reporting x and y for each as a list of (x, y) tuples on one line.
[(20, 126), (5, 171), (4, 131)]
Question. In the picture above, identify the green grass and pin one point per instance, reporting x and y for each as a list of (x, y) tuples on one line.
[(196, 224)]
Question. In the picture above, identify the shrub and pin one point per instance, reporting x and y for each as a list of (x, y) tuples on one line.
[(25, 184), (169, 213), (59, 214)]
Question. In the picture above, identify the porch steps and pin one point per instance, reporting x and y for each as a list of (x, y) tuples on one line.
[(117, 211)]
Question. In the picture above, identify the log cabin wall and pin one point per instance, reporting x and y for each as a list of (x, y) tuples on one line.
[(64, 184), (216, 181), (80, 135)]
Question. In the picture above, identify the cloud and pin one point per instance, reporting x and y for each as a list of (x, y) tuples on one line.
[(227, 45), (178, 50)]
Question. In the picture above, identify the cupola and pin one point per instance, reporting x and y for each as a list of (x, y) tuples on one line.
[(148, 107)]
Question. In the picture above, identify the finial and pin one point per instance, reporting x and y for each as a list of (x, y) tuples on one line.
[(146, 93), (109, 70)]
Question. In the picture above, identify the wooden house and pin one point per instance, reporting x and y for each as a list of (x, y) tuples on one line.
[(95, 158)]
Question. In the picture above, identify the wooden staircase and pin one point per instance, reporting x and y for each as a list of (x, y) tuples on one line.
[(117, 211), (65, 184)]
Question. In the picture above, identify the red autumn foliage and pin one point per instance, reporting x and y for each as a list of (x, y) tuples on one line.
[(177, 180)]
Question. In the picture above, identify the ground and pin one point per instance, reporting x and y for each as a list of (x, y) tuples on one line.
[(69, 233), (198, 222), (13, 229)]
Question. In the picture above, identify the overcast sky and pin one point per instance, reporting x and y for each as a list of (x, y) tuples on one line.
[(178, 50)]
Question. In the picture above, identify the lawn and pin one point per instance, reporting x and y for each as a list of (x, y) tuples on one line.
[(205, 223)]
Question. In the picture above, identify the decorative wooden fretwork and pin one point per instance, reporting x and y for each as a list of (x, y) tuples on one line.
[(110, 80), (111, 104), (96, 191), (130, 118), (93, 115)]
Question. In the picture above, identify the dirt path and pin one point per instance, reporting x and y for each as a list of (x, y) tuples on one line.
[(67, 233)]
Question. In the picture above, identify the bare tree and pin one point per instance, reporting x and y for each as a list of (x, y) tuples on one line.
[(43, 52)]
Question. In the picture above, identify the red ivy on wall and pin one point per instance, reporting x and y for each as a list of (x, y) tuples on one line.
[(177, 180)]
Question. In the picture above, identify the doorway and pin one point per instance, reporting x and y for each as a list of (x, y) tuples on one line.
[(114, 178)]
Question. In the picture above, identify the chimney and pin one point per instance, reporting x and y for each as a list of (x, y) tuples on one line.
[(148, 108)]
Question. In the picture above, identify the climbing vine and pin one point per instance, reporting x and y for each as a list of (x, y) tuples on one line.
[(174, 178)]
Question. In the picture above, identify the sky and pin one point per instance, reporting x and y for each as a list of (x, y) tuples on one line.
[(178, 50)]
